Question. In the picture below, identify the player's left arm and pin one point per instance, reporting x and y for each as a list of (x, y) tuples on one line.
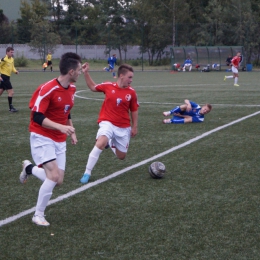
[(134, 117), (15, 70)]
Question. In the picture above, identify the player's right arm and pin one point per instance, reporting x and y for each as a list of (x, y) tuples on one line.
[(90, 83), (43, 121)]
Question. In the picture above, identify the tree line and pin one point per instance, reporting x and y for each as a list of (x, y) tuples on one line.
[(151, 24)]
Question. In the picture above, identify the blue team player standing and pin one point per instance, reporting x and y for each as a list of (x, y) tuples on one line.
[(190, 112), (111, 65)]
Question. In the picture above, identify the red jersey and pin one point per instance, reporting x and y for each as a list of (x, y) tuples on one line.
[(117, 104), (55, 102), (235, 61)]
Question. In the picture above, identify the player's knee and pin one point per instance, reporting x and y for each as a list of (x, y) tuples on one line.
[(59, 182), (120, 155)]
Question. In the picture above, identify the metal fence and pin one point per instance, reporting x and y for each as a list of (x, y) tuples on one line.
[(206, 56)]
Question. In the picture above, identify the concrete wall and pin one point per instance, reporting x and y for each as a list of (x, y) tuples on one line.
[(85, 51)]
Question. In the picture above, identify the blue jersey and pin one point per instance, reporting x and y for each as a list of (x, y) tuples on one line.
[(111, 61), (194, 113), (188, 61)]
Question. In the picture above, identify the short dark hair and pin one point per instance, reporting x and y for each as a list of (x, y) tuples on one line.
[(124, 68), (68, 61), (9, 49)]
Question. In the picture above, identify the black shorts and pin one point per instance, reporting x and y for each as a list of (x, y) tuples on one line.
[(5, 84), (49, 63)]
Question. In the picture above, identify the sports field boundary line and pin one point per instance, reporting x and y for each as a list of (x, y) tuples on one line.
[(115, 174), (160, 103)]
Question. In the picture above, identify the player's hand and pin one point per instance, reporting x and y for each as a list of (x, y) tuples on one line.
[(176, 114), (85, 67), (1, 79), (74, 139), (133, 131), (67, 129), (17, 72)]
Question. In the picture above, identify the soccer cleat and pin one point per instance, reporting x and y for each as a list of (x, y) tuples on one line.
[(24, 176), (236, 85), (167, 113), (167, 121), (12, 109), (225, 78), (85, 178), (105, 69), (40, 221)]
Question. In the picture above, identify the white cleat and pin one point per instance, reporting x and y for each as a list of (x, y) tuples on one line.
[(167, 113), (40, 221), (167, 121), (24, 176)]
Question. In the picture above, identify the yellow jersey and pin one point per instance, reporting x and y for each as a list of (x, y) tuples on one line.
[(7, 66), (49, 56)]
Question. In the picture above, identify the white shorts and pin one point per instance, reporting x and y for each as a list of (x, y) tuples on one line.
[(44, 149), (120, 137), (234, 70)]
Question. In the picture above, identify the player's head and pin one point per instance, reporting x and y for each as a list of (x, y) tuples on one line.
[(114, 55), (238, 54), (69, 61), (206, 109), (9, 51), (125, 74)]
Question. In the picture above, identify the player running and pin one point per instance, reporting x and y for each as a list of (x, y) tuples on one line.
[(115, 126), (235, 65), (111, 65), (50, 125)]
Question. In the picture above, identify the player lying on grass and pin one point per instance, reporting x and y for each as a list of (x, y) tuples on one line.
[(190, 112)]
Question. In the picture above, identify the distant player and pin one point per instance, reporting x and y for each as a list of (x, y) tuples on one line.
[(235, 65), (187, 64), (6, 69), (190, 112), (48, 61), (111, 65)]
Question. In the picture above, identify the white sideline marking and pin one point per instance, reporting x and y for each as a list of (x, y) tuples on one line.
[(160, 103), (115, 174)]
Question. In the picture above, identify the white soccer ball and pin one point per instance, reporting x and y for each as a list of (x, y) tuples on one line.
[(157, 170)]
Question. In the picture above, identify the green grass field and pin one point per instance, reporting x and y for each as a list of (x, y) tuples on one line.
[(206, 206)]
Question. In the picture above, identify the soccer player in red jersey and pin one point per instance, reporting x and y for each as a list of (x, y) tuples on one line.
[(115, 125), (235, 65), (50, 124)]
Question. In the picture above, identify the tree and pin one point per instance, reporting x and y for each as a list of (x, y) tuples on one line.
[(42, 37), (5, 28)]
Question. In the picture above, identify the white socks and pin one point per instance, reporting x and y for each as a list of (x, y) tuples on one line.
[(44, 196), (92, 159), (39, 173)]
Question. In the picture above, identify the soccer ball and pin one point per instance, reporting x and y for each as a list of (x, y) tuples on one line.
[(157, 170)]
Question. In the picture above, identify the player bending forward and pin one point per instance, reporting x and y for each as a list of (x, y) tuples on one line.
[(190, 112), (114, 120)]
